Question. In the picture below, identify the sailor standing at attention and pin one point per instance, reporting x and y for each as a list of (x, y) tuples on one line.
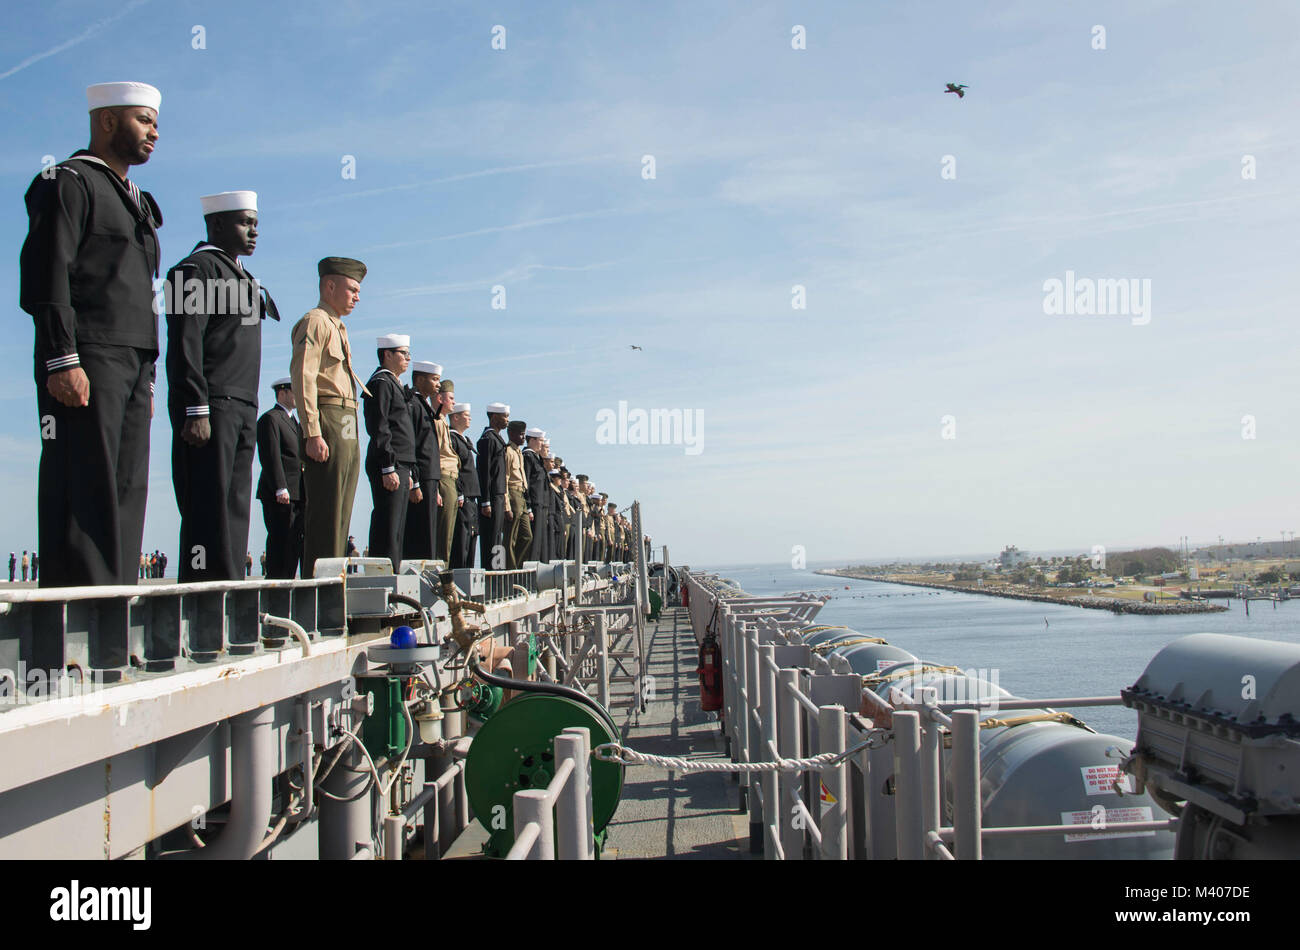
[(421, 514), (462, 542), (324, 390), (279, 449), (390, 457), (535, 475), (87, 267), (493, 552), (214, 360), (559, 512), (517, 513), (449, 470)]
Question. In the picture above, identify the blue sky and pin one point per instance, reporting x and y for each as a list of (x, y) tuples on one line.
[(820, 167)]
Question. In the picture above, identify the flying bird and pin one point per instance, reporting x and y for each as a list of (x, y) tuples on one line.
[(958, 88), (634, 346)]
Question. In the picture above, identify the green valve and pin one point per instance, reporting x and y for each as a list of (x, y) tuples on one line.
[(484, 700), (383, 732)]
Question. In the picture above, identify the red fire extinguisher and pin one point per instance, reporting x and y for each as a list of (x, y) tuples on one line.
[(710, 671)]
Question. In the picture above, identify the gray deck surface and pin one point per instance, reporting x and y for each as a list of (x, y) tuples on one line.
[(665, 814)]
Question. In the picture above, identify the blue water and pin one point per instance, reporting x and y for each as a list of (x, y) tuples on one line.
[(1077, 652)]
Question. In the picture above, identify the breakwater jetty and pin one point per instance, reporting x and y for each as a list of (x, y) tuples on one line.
[(1114, 604)]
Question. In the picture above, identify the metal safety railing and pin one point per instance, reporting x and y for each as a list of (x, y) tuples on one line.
[(115, 633), (556, 822), (920, 729), (441, 806), (500, 586), (782, 702)]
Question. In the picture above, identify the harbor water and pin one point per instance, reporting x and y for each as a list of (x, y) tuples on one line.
[(1036, 649)]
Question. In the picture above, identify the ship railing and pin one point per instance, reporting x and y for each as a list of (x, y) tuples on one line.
[(441, 806), (111, 634), (501, 586), (556, 822), (918, 737), (782, 703)]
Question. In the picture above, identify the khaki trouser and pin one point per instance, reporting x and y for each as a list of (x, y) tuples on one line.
[(520, 534), (446, 518), (331, 487)]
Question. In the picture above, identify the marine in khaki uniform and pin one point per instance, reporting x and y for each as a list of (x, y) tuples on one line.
[(611, 531), (518, 517), (449, 468), (324, 388)]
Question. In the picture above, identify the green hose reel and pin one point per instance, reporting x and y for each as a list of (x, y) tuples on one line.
[(515, 750)]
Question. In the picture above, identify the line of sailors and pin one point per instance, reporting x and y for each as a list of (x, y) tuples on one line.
[(89, 278), (435, 491)]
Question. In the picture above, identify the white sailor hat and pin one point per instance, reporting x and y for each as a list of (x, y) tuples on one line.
[(535, 433), (229, 201), (556, 473), (460, 407), (391, 341), (498, 408), (106, 94), (424, 366), (282, 381)]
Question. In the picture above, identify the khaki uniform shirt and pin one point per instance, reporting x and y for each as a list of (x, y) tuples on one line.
[(515, 480), (448, 460), (321, 365)]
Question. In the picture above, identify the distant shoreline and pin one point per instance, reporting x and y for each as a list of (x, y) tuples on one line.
[(1099, 603)]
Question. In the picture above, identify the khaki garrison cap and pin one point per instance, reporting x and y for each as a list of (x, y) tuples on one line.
[(446, 386), (343, 266)]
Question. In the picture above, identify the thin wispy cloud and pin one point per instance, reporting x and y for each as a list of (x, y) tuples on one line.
[(81, 37), (497, 229), (447, 179)]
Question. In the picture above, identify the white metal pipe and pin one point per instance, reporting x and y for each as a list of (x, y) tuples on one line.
[(907, 785), (1068, 702), (296, 629), (1009, 831), (583, 734), (753, 723), (570, 827), (602, 661), (252, 769), (929, 762), (533, 806), (834, 814), (790, 744), (525, 842), (394, 832), (767, 712), (965, 764)]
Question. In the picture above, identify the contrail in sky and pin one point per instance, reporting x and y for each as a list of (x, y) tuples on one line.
[(81, 37)]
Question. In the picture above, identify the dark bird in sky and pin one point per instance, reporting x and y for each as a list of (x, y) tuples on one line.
[(634, 346), (958, 88)]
